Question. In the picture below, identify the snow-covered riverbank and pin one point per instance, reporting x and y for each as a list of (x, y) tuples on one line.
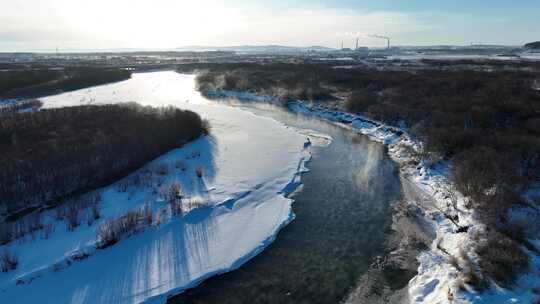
[(437, 281), (249, 164)]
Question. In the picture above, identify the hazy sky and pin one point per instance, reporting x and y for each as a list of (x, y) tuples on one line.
[(101, 24)]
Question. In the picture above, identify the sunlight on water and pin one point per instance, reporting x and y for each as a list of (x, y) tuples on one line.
[(152, 89)]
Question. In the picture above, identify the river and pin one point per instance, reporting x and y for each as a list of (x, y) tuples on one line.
[(342, 210), (343, 218)]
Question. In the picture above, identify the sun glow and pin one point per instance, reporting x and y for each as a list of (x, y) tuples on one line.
[(169, 24), (138, 23), (159, 24)]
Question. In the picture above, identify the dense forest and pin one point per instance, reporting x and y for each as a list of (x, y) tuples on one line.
[(23, 78), (42, 81), (52, 154), (533, 45), (486, 123)]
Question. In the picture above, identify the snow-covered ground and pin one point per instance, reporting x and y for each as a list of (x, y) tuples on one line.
[(249, 164), (436, 278)]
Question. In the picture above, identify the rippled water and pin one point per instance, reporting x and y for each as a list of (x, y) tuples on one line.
[(342, 221)]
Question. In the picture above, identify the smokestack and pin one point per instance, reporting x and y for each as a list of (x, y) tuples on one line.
[(357, 43), (383, 37), (342, 44)]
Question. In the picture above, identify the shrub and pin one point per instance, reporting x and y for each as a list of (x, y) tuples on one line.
[(361, 100), (477, 171), (94, 215), (174, 198), (79, 208), (17, 229), (73, 219), (177, 207), (501, 259), (161, 169), (48, 229), (128, 224), (199, 172), (6, 234), (489, 178), (180, 165), (8, 261), (174, 192), (470, 275)]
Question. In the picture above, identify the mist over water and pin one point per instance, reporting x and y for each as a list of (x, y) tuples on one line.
[(342, 221)]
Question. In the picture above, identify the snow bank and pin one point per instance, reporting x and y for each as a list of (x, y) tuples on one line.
[(249, 165)]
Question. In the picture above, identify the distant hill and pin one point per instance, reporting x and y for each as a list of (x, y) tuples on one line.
[(533, 45), (256, 49)]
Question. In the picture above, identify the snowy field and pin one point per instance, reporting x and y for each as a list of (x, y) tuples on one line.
[(249, 164)]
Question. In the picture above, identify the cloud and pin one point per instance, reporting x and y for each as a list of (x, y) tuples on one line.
[(167, 23), (310, 27), (170, 23)]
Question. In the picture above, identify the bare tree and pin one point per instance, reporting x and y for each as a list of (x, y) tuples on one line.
[(132, 222), (8, 260)]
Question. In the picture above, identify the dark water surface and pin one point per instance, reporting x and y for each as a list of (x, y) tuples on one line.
[(342, 221)]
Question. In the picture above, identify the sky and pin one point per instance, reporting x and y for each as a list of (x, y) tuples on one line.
[(42, 25)]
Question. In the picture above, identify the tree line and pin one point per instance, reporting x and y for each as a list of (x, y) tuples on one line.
[(42, 81), (54, 153)]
